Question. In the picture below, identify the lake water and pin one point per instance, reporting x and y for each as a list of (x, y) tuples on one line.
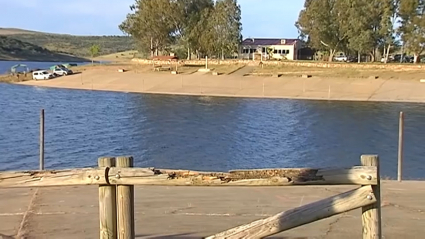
[(203, 133)]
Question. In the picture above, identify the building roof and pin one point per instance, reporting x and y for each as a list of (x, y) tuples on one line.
[(269, 41)]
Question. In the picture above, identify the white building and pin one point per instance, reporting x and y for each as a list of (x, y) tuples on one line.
[(281, 49)]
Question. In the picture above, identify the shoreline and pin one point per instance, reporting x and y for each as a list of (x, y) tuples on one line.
[(234, 85), (227, 96)]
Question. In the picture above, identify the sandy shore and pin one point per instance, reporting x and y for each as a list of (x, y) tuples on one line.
[(237, 85), (195, 212)]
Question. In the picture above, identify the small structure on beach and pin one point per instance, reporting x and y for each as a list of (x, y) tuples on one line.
[(19, 68), (279, 49)]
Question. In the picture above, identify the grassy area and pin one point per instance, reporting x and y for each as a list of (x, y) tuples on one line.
[(349, 72), (119, 56), (13, 49), (12, 79), (70, 44)]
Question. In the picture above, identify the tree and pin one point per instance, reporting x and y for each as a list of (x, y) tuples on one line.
[(149, 25), (388, 20), (184, 16), (94, 51), (357, 17), (227, 26), (320, 22), (412, 27)]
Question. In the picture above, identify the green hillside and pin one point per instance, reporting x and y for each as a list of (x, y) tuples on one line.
[(13, 49), (70, 44)]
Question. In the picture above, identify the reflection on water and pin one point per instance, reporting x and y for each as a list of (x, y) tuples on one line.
[(203, 133)]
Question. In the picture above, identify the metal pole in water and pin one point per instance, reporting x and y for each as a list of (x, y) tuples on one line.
[(400, 146), (42, 139)]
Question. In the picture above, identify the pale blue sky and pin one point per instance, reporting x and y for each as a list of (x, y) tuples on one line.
[(260, 18)]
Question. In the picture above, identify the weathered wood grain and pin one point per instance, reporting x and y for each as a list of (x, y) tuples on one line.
[(360, 175), (125, 203), (107, 205), (257, 177), (302, 215), (84, 176), (371, 214)]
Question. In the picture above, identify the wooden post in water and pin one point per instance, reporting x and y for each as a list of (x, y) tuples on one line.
[(371, 215), (400, 147), (42, 139), (107, 205), (125, 203)]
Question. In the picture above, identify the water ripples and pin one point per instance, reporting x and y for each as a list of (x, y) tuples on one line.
[(203, 133)]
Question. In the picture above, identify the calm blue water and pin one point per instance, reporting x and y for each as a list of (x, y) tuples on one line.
[(203, 133)]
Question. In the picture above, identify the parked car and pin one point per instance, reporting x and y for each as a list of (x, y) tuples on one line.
[(41, 75), (62, 71), (341, 57), (352, 59), (391, 58), (403, 58)]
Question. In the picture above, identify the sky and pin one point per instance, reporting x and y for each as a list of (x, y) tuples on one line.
[(260, 18)]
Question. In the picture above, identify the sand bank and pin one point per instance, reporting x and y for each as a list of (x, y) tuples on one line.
[(237, 85)]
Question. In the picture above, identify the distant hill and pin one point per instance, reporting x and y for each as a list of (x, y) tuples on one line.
[(13, 49), (13, 31), (70, 44)]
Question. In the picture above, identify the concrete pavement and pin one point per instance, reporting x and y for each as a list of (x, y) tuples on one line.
[(195, 212)]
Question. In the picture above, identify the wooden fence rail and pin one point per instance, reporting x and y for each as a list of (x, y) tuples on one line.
[(359, 175), (116, 179)]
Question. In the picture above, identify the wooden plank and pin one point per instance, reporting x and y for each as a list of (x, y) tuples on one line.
[(360, 175), (107, 205), (87, 176), (363, 175), (125, 203), (371, 214), (302, 215)]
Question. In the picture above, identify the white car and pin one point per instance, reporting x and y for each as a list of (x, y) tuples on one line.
[(41, 75), (62, 71), (341, 58)]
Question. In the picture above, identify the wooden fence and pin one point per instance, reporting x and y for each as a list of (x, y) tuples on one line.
[(116, 178)]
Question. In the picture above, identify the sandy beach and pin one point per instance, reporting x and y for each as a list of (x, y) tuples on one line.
[(238, 85)]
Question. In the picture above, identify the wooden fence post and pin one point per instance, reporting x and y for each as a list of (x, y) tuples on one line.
[(125, 203), (107, 205), (371, 214)]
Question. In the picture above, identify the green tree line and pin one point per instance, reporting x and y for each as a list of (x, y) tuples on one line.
[(363, 26), (203, 27), (77, 45)]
